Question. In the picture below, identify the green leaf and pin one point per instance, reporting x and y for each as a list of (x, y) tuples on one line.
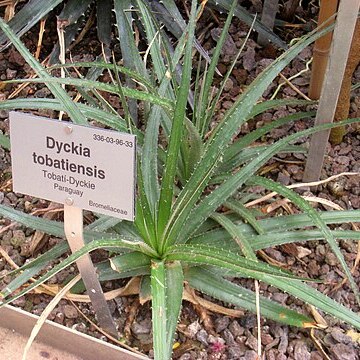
[(107, 273), (31, 13), (141, 80), (103, 223), (159, 320), (245, 16), (236, 235), (222, 136), (96, 244), (33, 267), (206, 206), (103, 117), (48, 226), (209, 74), (232, 154), (312, 213), (153, 38), (129, 261), (277, 225), (72, 11), (208, 255), (4, 141), (89, 84), (245, 213), (103, 20), (205, 255), (166, 291), (167, 185), (273, 239), (71, 108), (266, 105), (174, 279), (129, 51), (145, 289), (210, 283)]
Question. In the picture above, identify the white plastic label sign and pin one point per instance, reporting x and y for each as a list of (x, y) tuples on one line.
[(87, 167)]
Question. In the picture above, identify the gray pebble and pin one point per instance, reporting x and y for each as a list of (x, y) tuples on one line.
[(202, 336), (236, 329), (248, 321), (4, 114), (340, 337), (185, 356), (10, 74), (12, 197), (283, 343), (221, 323), (235, 352), (250, 355), (142, 327), (193, 329), (228, 337)]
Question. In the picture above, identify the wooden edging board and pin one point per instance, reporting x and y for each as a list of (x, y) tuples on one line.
[(52, 336)]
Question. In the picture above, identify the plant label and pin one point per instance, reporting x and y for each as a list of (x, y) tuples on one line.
[(87, 167)]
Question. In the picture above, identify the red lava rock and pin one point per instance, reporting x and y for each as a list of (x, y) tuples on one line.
[(266, 339), (227, 104), (343, 352), (355, 201), (315, 355), (283, 178), (251, 341), (343, 160), (70, 312), (228, 85), (240, 75), (340, 337), (313, 268), (16, 58), (249, 59), (345, 150), (301, 351)]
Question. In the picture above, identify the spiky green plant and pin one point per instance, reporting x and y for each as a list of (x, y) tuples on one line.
[(75, 12), (184, 177)]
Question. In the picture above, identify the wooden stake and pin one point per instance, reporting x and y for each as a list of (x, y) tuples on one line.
[(321, 50), (343, 33), (73, 224)]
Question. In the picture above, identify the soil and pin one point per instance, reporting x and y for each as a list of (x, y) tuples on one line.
[(215, 336)]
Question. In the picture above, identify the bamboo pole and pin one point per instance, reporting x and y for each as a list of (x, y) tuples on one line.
[(343, 104), (321, 50), (344, 29)]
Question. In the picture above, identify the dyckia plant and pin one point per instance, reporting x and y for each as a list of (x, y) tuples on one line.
[(186, 177)]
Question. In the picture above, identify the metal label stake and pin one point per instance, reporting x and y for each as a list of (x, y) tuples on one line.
[(73, 225)]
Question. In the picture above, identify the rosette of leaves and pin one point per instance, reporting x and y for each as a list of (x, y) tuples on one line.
[(188, 171)]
